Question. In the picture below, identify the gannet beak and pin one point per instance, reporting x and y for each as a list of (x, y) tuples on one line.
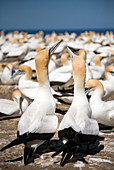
[(70, 53), (20, 104), (88, 90), (19, 72), (52, 49)]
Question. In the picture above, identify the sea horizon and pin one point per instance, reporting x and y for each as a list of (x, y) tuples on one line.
[(49, 31)]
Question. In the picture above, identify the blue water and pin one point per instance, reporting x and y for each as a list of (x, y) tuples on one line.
[(77, 31)]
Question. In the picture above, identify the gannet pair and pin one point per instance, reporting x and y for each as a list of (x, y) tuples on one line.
[(102, 111), (38, 123), (77, 128)]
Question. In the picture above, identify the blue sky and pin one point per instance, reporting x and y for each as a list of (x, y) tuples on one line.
[(56, 14)]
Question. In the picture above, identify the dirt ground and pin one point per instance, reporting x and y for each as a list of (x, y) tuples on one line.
[(8, 130)]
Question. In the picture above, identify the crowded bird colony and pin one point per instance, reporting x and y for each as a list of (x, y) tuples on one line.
[(40, 68)]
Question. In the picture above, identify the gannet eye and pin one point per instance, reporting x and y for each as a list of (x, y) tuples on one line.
[(112, 72)]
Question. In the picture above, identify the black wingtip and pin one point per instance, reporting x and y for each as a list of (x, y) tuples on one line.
[(13, 143)]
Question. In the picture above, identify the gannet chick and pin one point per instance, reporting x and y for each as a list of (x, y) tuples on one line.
[(77, 128), (98, 69), (6, 77), (108, 83), (63, 73), (38, 123), (102, 111), (9, 107)]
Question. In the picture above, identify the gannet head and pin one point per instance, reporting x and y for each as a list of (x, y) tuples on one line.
[(24, 70), (16, 40), (1, 66), (92, 85), (16, 95), (79, 70), (109, 70), (2, 33), (41, 61), (39, 48), (65, 58), (98, 60), (82, 54)]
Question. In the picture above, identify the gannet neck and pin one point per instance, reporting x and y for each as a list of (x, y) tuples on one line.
[(82, 54), (98, 60), (41, 61), (79, 70), (99, 89), (108, 69), (1, 67), (64, 59), (28, 72)]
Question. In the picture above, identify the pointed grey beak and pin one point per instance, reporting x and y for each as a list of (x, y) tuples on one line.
[(88, 90), (70, 53), (20, 104), (19, 72), (52, 49)]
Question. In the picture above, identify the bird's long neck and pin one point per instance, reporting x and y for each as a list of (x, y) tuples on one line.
[(79, 89), (79, 70), (97, 94), (42, 60)]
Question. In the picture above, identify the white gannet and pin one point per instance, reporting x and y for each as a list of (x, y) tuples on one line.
[(6, 77), (97, 69), (77, 127), (8, 107), (27, 86), (39, 122), (63, 73), (108, 83), (102, 111)]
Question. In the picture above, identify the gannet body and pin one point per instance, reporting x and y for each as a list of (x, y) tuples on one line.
[(6, 77), (108, 83), (102, 111), (63, 73), (97, 69), (77, 127), (9, 107), (38, 123), (28, 87)]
